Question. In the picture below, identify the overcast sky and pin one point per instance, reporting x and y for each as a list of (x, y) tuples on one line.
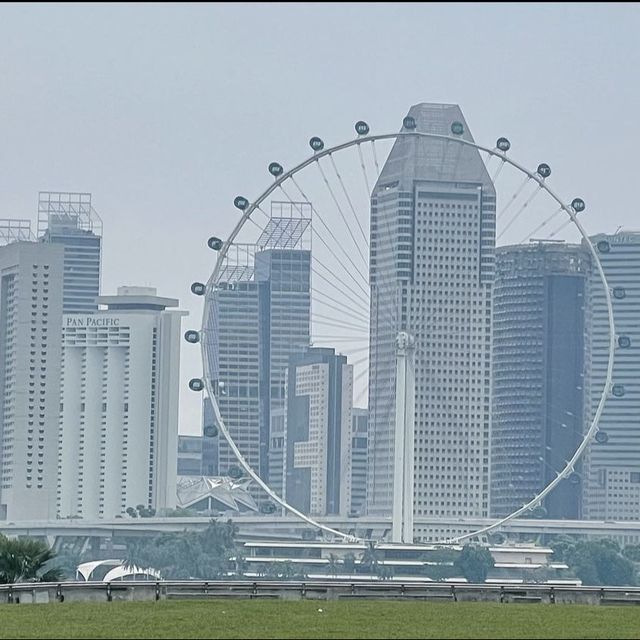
[(166, 112)]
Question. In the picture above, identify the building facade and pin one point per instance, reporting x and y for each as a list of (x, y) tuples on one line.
[(539, 396), (119, 406), (359, 458), (260, 314), (68, 219), (31, 283), (612, 474), (318, 423), (431, 271)]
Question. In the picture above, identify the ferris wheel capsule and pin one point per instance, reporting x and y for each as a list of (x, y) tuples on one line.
[(240, 202), (362, 128), (543, 170), (409, 123), (618, 390), (574, 478), (214, 243), (316, 143), (196, 384), (602, 437), (503, 144), (578, 205), (275, 169), (457, 128), (192, 336), (210, 431), (603, 246), (619, 293), (198, 288), (624, 342)]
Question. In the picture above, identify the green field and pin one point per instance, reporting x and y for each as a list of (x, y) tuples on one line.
[(316, 619)]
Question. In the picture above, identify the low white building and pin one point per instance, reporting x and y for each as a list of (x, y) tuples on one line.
[(119, 406)]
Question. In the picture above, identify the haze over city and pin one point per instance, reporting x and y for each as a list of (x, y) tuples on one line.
[(316, 300)]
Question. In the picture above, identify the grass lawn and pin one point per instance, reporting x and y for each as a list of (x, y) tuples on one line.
[(316, 619)]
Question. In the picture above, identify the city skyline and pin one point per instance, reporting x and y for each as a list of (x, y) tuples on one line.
[(166, 165)]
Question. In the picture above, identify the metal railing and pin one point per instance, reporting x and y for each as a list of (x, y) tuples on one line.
[(152, 590)]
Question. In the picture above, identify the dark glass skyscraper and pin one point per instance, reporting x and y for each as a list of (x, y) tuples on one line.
[(538, 375)]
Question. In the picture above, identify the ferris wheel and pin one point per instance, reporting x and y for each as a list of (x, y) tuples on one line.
[(323, 206)]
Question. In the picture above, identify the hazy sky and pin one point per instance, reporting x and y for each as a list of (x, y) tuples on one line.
[(166, 112)]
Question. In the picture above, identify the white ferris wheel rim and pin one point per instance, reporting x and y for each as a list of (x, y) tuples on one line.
[(502, 155)]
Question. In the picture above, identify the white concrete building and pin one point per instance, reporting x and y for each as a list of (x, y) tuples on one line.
[(31, 282), (317, 476), (119, 406)]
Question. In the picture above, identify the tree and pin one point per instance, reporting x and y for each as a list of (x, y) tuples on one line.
[(349, 563), (632, 552), (474, 562), (333, 565), (596, 562), (27, 560), (202, 555), (370, 559)]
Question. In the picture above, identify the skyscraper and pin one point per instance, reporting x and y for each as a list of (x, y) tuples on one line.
[(431, 272), (612, 464), (69, 219), (260, 315), (318, 432), (539, 397), (30, 325), (359, 460), (119, 406)]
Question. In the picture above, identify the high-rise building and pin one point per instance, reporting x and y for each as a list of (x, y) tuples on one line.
[(210, 439), (30, 326), (431, 272), (119, 406), (319, 397), (260, 315), (198, 455), (359, 457), (190, 455), (539, 397), (612, 464), (69, 219)]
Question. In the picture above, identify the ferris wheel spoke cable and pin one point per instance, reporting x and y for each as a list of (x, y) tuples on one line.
[(364, 172), (342, 281), (348, 198), (328, 321), (360, 313), (513, 198), (328, 228), (563, 226), (332, 282), (543, 224), (498, 171), (375, 157), (346, 269), (519, 212), (344, 218), (343, 312)]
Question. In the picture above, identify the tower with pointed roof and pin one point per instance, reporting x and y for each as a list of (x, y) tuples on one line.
[(431, 272)]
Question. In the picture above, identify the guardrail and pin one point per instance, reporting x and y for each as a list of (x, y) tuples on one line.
[(150, 590)]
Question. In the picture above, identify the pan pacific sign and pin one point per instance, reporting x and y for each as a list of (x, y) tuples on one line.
[(90, 321)]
